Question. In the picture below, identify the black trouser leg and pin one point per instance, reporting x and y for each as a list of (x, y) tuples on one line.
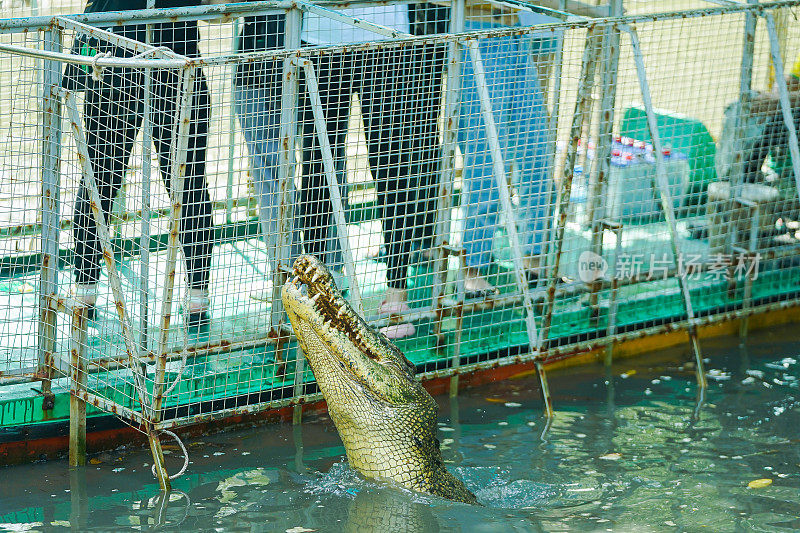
[(334, 79), (385, 85), (427, 67), (196, 225), (111, 120)]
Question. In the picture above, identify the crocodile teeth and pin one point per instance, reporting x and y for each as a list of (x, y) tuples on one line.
[(315, 298), (309, 269), (316, 276), (341, 312)]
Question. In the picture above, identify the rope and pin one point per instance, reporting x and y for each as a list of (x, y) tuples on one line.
[(97, 70), (185, 456)]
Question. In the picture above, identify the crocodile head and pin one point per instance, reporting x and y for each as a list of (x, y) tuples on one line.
[(386, 419)]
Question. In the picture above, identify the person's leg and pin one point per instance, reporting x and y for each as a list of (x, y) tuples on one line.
[(528, 152), (258, 111), (386, 86), (384, 101), (111, 121), (423, 107), (196, 225), (480, 189), (333, 76)]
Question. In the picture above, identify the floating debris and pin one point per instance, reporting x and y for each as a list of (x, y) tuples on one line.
[(513, 404), (755, 373), (718, 375), (496, 400), (299, 529), (612, 456), (629, 373), (759, 483), (445, 428), (489, 446)]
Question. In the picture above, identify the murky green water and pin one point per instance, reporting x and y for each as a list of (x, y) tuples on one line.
[(642, 454)]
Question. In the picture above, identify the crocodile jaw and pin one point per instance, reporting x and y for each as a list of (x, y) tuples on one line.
[(386, 419)]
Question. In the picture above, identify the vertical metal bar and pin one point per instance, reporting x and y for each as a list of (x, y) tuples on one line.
[(552, 126), (582, 104), (144, 238), (231, 127), (612, 304), (736, 177), (77, 406), (455, 361), (280, 244), (548, 402), (299, 370), (177, 183), (178, 155), (611, 42), (178, 150), (737, 168), (662, 183), (51, 202), (501, 182), (783, 92), (333, 182), (444, 204)]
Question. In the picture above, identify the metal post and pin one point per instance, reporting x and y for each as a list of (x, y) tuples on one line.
[(611, 42), (51, 205), (662, 183), (77, 406), (444, 204), (299, 370), (783, 92), (582, 105), (280, 244), (231, 127), (552, 127), (612, 304), (455, 361), (737, 169), (736, 177), (548, 402), (144, 238), (178, 152), (333, 182)]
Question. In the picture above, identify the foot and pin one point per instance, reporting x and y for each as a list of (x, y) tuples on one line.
[(533, 270), (197, 305), (85, 295), (395, 306), (476, 286)]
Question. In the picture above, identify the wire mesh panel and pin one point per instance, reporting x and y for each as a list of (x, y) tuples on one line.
[(525, 189)]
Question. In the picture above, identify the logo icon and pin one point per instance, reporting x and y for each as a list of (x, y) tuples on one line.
[(591, 267)]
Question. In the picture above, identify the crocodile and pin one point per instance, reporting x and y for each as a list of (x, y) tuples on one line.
[(385, 418)]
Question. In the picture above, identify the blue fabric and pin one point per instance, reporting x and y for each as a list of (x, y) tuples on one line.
[(520, 117)]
